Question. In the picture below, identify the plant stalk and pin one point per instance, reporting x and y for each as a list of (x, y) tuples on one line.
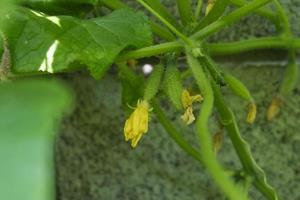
[(164, 21), (241, 147), (229, 19), (156, 28), (175, 135), (220, 177), (150, 51), (185, 11)]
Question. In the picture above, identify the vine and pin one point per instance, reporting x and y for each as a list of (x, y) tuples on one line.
[(185, 38)]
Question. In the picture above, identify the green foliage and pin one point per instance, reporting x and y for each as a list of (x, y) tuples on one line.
[(1, 45), (185, 11), (173, 85), (51, 44), (162, 10), (40, 42), (216, 12), (6, 6), (242, 147), (29, 113), (57, 7), (238, 87), (153, 82), (93, 2), (132, 87), (291, 77), (219, 175)]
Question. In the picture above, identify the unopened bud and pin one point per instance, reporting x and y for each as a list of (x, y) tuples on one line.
[(218, 141), (252, 109), (132, 62), (274, 108), (209, 7)]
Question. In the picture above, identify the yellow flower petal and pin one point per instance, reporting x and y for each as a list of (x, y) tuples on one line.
[(127, 129), (185, 99), (252, 113), (188, 116), (135, 140), (209, 7), (137, 124), (274, 108), (197, 98), (187, 102)]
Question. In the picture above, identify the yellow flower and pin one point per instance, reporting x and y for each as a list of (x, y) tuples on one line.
[(252, 113), (137, 124), (274, 108), (188, 116), (187, 102)]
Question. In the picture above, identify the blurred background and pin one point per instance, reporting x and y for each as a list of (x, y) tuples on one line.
[(90, 159), (93, 161)]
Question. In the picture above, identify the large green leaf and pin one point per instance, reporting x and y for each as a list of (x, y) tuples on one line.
[(5, 6), (1, 46), (94, 2), (56, 7), (50, 44), (216, 12), (29, 113)]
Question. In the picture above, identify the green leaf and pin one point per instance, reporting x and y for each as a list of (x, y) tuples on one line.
[(29, 113), (93, 2), (185, 11), (216, 12), (51, 43), (132, 87), (6, 6), (55, 7), (1, 47), (163, 11)]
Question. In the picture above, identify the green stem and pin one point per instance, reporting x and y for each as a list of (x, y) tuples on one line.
[(215, 49), (163, 20), (151, 51), (171, 130), (241, 146), (220, 177), (185, 11), (113, 4), (283, 19), (229, 19), (158, 7), (157, 29), (185, 74), (261, 11), (253, 44), (198, 9), (214, 14), (291, 75), (162, 32), (214, 71)]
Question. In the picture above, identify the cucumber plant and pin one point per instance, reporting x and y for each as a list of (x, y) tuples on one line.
[(39, 37)]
